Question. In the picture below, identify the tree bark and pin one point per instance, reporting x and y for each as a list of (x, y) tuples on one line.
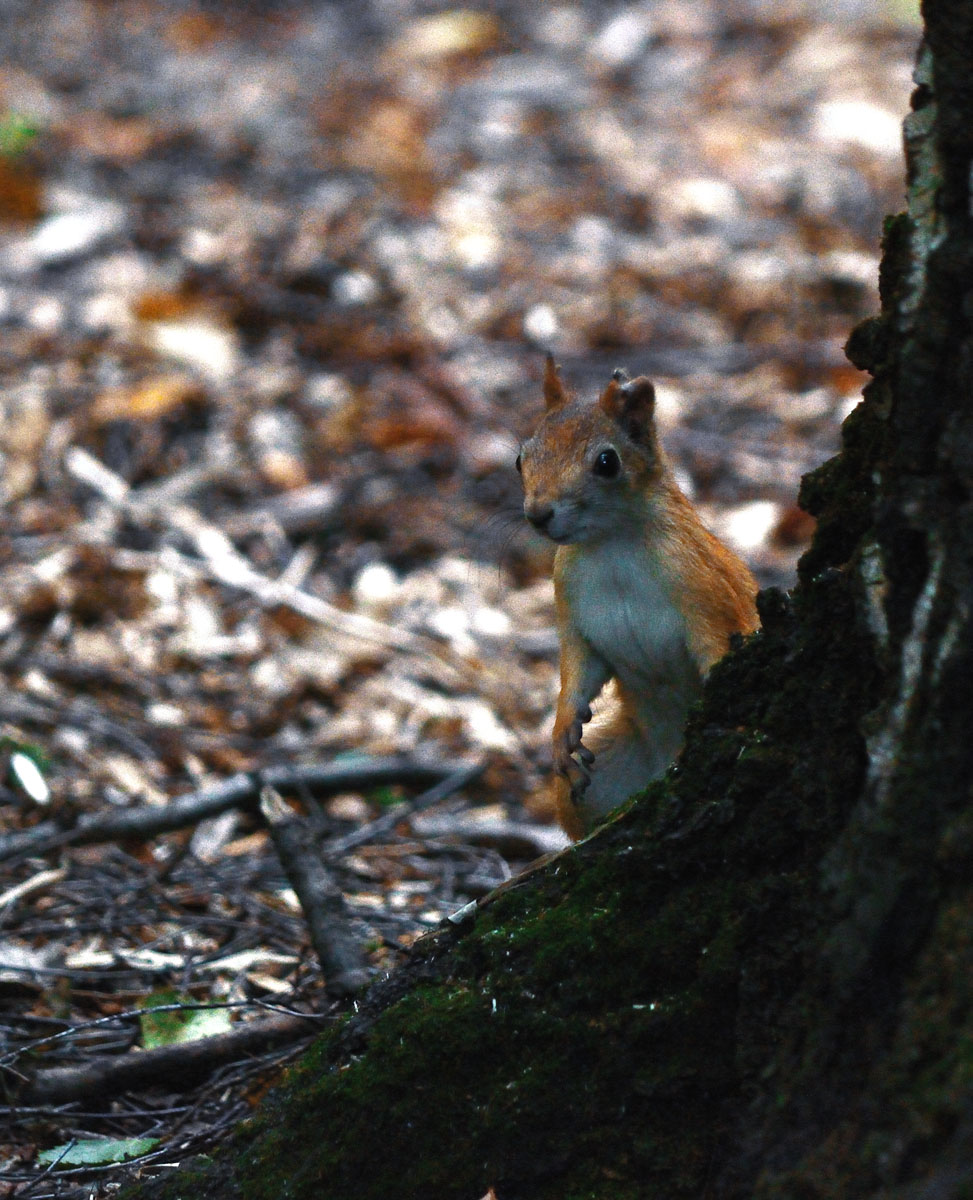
[(758, 981)]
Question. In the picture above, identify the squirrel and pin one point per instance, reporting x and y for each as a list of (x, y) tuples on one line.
[(646, 597)]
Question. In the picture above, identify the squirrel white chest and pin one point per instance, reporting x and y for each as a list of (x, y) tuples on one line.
[(620, 606)]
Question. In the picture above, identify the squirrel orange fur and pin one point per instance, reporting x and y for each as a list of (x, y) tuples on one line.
[(647, 598)]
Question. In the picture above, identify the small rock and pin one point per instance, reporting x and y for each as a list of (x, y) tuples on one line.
[(441, 35), (492, 623), (47, 315), (212, 349), (541, 323), (327, 392), (352, 288), (623, 40), (376, 586), (69, 235), (277, 438), (859, 123), (749, 526)]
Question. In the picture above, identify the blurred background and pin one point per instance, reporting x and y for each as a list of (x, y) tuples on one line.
[(276, 282)]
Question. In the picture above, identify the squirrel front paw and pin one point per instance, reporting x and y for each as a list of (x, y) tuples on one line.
[(571, 757)]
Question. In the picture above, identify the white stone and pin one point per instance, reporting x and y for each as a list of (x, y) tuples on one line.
[(71, 234), (106, 311), (704, 197), (166, 714), (623, 39), (211, 349), (491, 622), (453, 624), (669, 404), (859, 123), (541, 323), (355, 287), (47, 314), (330, 392), (749, 526), (376, 586)]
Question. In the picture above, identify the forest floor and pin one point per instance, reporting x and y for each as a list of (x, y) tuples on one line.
[(276, 283)]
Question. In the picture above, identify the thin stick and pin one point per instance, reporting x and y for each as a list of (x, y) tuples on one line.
[(36, 883), (226, 564), (144, 821), (176, 1066), (328, 919), (440, 791)]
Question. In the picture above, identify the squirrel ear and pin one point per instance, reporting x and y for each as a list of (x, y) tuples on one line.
[(554, 393), (630, 402)]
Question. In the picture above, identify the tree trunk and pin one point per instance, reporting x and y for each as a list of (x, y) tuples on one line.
[(758, 982)]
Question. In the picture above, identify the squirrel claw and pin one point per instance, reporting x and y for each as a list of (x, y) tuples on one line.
[(575, 730), (578, 788), (571, 757), (576, 773), (578, 779)]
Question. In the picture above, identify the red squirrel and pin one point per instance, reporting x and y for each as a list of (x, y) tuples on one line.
[(646, 597)]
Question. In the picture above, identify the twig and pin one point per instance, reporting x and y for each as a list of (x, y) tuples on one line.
[(513, 839), (338, 950), (176, 1067), (299, 511), (28, 887), (78, 715), (226, 564), (440, 791), (48, 1170), (145, 821), (133, 1014)]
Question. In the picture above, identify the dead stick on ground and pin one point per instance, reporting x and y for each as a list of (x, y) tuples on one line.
[(439, 792), (143, 821), (328, 922), (177, 1067), (228, 565)]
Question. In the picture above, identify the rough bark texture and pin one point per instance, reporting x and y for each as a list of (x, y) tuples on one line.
[(758, 982)]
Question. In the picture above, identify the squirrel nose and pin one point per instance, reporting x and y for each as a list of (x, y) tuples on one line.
[(539, 515)]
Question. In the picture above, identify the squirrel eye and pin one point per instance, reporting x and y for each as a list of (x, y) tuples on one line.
[(518, 464), (607, 465)]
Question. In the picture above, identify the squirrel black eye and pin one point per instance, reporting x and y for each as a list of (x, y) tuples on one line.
[(518, 463), (607, 464)]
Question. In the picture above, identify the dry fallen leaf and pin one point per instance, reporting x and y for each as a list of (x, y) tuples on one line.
[(150, 398), (441, 35)]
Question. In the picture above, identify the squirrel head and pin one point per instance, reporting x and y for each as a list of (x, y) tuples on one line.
[(590, 468)]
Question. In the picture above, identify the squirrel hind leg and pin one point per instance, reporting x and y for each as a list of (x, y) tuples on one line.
[(622, 762), (569, 815), (621, 768)]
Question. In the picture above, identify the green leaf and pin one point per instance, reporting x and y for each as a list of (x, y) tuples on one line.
[(188, 1025), (96, 1152), (16, 133), (32, 749), (385, 797)]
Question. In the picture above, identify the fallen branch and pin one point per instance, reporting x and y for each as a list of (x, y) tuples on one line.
[(174, 1067), (511, 839), (227, 565), (36, 883), (328, 920), (439, 792), (144, 821)]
